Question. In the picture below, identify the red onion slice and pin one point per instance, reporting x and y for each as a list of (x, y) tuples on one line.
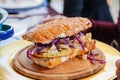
[(71, 45), (81, 34), (80, 41), (54, 41), (64, 40), (40, 49), (92, 59), (29, 52)]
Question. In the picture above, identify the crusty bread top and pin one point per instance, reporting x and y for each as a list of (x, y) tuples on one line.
[(46, 32)]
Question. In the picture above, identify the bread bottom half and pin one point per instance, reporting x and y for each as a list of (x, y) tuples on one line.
[(55, 61)]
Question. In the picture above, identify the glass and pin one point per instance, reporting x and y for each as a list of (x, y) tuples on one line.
[(3, 16)]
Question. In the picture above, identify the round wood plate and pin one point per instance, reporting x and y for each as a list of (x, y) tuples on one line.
[(72, 69)]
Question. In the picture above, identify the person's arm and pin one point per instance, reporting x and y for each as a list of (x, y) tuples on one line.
[(119, 27), (118, 69), (104, 31)]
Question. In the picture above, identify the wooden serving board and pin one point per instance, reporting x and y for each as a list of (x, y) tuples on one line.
[(72, 69)]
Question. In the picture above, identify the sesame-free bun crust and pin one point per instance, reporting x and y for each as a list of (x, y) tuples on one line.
[(46, 32)]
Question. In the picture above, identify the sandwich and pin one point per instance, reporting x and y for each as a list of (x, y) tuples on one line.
[(59, 40)]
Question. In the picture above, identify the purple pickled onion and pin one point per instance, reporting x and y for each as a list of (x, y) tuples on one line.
[(64, 41), (88, 53), (81, 34), (71, 45), (92, 59), (54, 41), (40, 49), (57, 45), (95, 54), (102, 62), (81, 42), (29, 52), (33, 50)]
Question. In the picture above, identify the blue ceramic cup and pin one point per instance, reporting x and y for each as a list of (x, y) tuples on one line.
[(3, 16), (6, 31)]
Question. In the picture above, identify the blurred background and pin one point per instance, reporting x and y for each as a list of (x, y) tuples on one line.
[(25, 14), (58, 5)]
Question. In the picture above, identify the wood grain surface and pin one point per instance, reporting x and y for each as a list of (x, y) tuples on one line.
[(72, 69)]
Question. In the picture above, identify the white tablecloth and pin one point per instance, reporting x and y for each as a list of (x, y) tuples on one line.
[(22, 25)]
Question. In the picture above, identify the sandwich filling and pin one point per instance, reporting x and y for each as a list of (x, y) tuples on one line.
[(63, 46)]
